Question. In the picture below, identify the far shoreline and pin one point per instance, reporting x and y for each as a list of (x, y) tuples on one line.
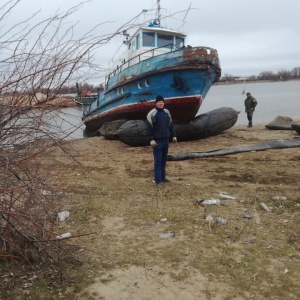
[(252, 81)]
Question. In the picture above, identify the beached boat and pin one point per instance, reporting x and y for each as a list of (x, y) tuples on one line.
[(156, 61), (84, 97), (85, 100)]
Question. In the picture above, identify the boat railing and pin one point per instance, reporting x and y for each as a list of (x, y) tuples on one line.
[(143, 56)]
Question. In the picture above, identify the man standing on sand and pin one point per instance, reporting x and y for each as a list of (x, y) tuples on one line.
[(161, 129), (250, 104)]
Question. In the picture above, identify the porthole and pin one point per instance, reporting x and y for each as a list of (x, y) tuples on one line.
[(122, 90), (147, 82), (139, 85)]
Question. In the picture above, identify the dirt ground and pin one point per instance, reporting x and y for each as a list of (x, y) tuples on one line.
[(112, 198)]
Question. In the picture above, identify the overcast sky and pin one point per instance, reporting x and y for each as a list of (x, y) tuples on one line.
[(251, 36)]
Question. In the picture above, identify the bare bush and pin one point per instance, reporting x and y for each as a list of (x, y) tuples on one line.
[(35, 56)]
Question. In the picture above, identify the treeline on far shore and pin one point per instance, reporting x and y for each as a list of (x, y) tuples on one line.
[(282, 75), (226, 78)]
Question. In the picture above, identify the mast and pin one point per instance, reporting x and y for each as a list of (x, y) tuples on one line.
[(158, 11)]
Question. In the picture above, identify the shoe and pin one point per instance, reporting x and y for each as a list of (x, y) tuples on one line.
[(166, 180), (249, 126), (159, 185)]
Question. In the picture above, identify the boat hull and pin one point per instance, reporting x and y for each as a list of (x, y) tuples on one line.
[(181, 109), (183, 77)]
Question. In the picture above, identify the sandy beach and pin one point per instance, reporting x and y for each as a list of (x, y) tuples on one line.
[(112, 195), (131, 240)]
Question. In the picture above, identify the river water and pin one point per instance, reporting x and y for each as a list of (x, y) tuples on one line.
[(274, 99)]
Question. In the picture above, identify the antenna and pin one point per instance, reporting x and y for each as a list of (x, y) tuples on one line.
[(158, 10)]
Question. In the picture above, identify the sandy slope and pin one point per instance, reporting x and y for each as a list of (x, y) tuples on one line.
[(116, 198)]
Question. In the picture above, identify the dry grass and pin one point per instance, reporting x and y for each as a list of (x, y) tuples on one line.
[(19, 100), (112, 195)]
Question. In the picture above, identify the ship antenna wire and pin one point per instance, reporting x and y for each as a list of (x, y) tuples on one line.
[(187, 11)]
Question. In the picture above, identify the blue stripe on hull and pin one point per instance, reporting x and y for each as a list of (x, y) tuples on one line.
[(183, 74), (176, 84)]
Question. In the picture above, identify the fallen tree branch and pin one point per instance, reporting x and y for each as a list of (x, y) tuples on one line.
[(267, 145), (65, 238)]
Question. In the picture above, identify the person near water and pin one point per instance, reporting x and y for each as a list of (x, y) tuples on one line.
[(161, 130), (250, 104)]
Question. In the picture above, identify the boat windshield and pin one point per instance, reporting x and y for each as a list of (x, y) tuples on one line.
[(164, 40), (148, 39), (179, 41)]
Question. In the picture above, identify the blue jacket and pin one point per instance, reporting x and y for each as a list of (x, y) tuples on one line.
[(160, 124)]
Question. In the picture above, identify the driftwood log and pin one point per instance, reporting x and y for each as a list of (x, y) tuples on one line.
[(272, 144)]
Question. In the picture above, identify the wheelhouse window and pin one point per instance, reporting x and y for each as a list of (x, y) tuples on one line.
[(164, 40), (179, 41), (137, 44), (148, 39)]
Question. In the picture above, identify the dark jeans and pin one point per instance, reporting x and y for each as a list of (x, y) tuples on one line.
[(160, 153), (249, 117)]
